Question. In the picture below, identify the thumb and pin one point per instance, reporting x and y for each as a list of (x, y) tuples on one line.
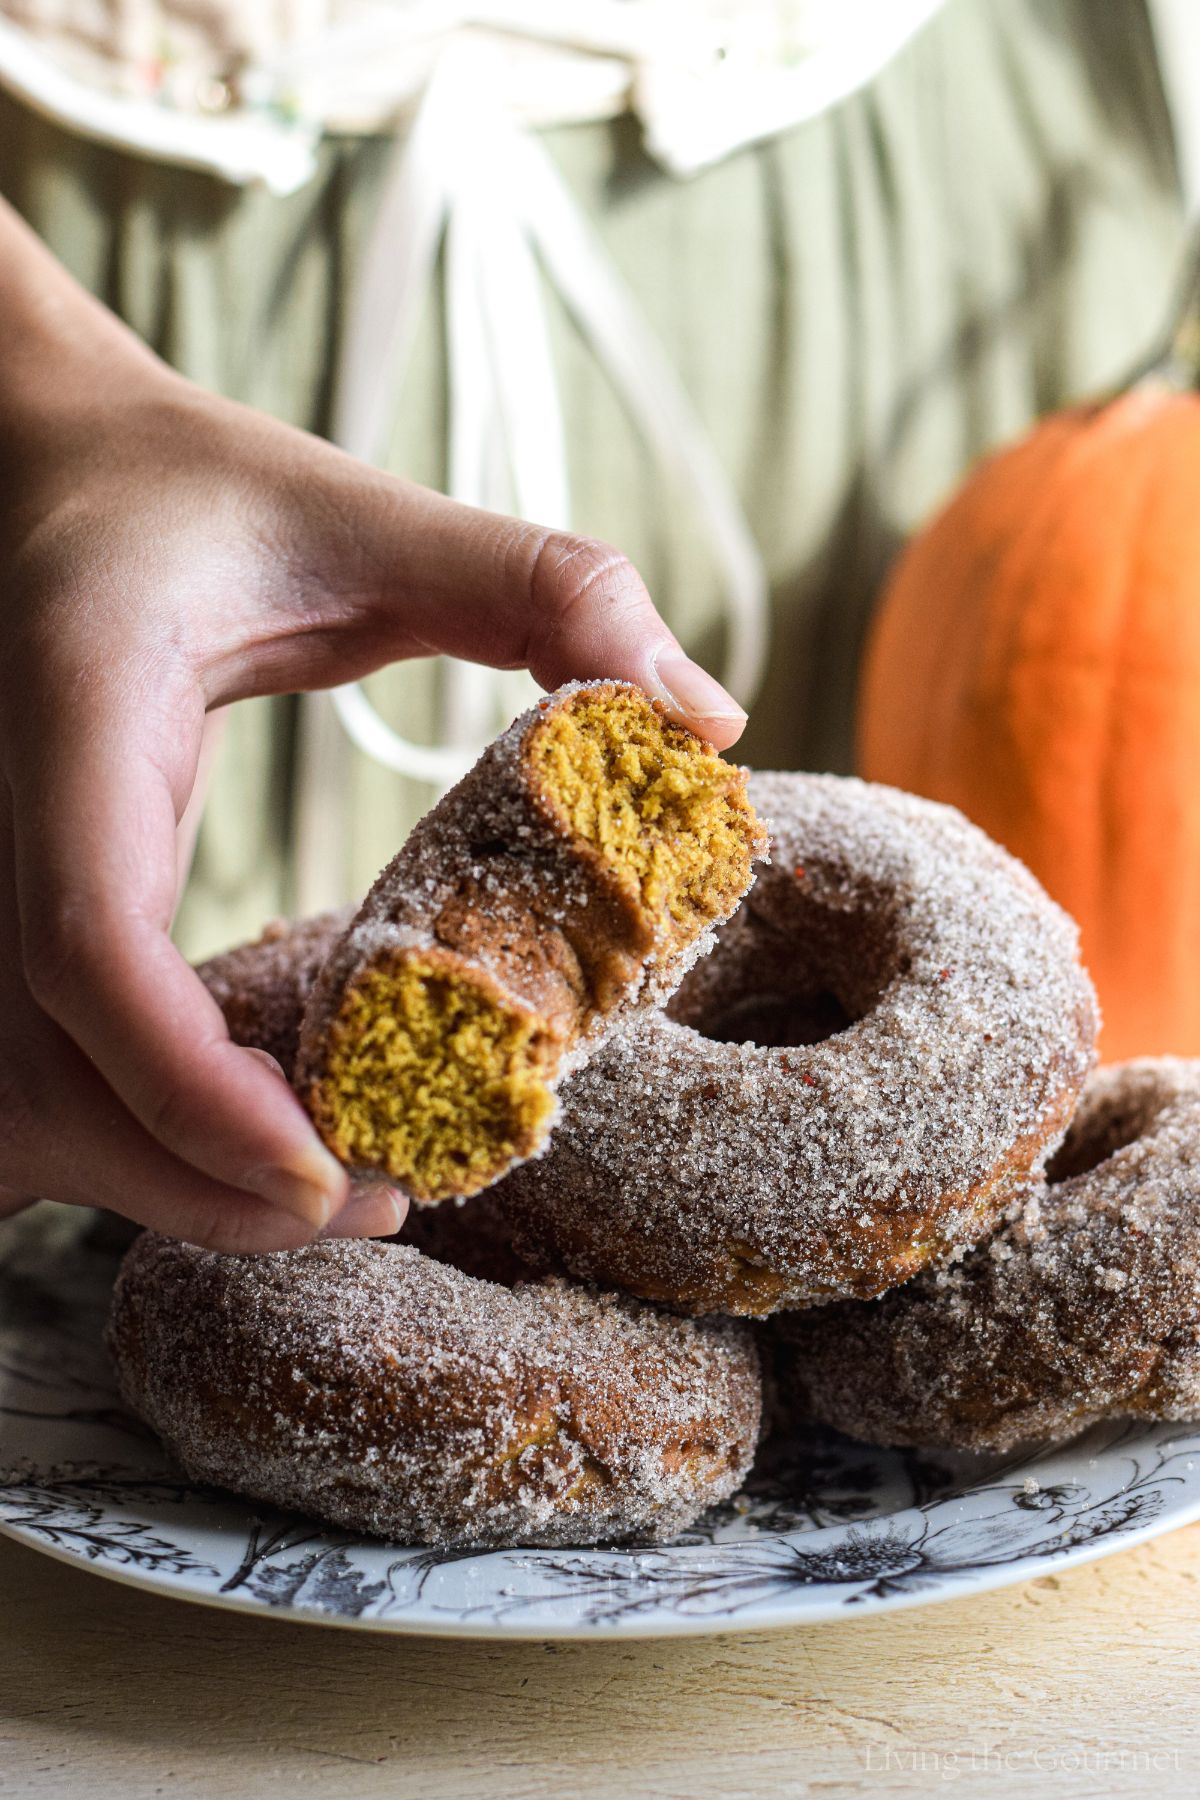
[(397, 570)]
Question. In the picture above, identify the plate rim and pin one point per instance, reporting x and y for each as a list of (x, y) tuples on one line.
[(952, 1585), (802, 1587)]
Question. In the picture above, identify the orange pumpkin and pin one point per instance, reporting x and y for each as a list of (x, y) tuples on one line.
[(1036, 662)]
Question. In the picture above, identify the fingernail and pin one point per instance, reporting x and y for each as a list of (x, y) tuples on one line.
[(369, 1213), (691, 691), (310, 1192)]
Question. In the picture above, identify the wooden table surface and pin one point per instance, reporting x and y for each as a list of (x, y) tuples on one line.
[(1083, 1684)]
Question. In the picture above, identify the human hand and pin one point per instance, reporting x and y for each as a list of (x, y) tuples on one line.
[(166, 553)]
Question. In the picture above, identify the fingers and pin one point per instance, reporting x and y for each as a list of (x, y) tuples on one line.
[(587, 612), (370, 1211), (94, 823), (63, 1136), (396, 570), (499, 591)]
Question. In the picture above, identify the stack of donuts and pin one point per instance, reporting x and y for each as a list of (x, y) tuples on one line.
[(687, 1073)]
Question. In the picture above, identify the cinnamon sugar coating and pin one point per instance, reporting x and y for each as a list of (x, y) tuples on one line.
[(573, 874), (955, 1027), (263, 987), (1085, 1306), (365, 1385)]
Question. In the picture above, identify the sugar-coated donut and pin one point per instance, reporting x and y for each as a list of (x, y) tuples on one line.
[(1085, 1306), (716, 1158), (366, 1385), (263, 987), (576, 871)]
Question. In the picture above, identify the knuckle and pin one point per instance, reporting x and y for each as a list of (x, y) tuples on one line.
[(571, 573), (171, 1117), (213, 1228), (236, 1229)]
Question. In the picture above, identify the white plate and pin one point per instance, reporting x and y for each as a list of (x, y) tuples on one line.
[(830, 1529)]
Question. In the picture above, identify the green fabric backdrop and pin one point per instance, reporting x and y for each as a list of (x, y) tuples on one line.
[(858, 308)]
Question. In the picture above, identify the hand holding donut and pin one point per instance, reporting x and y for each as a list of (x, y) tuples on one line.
[(167, 553)]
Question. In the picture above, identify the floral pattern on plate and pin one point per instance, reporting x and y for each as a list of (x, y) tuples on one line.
[(825, 1526)]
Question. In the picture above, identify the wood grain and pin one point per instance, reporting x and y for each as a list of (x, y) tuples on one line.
[(1075, 1685)]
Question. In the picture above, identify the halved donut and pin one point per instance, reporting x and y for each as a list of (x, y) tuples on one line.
[(575, 872)]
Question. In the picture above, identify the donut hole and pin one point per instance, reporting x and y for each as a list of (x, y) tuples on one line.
[(789, 970), (1114, 1121), (666, 815), (775, 1023)]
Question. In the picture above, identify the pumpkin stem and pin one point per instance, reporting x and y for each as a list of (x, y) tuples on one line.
[(1176, 361)]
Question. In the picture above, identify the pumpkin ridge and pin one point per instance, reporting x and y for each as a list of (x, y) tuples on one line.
[(1035, 661)]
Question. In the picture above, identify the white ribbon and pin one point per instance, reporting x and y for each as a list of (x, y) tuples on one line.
[(1176, 25), (469, 178)]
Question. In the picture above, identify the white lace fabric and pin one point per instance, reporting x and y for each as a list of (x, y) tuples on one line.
[(244, 87)]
